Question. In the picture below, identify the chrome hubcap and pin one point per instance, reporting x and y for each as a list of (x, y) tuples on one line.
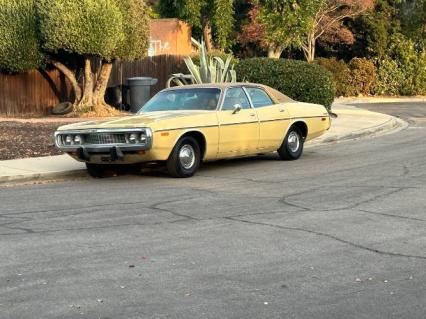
[(187, 156), (293, 142)]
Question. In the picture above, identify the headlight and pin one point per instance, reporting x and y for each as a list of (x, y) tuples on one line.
[(133, 138), (68, 140), (77, 139)]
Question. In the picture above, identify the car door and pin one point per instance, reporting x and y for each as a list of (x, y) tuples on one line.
[(274, 119), (238, 124)]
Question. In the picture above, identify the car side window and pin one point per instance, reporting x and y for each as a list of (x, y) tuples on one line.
[(235, 96), (259, 97)]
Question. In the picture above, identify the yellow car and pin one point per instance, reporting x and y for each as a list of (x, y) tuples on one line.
[(184, 126)]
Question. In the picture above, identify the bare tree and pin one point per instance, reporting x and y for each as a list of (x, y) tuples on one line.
[(327, 22)]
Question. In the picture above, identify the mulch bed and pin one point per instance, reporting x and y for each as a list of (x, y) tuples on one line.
[(21, 140)]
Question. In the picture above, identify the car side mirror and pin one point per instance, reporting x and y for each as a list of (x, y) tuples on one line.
[(237, 108)]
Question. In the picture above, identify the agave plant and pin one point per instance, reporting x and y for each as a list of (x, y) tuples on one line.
[(210, 70)]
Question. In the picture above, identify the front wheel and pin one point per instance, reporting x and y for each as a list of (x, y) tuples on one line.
[(185, 158), (292, 147)]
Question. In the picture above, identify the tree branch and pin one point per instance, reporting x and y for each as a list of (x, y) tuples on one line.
[(71, 78)]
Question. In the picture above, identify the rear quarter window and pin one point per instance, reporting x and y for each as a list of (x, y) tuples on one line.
[(259, 97)]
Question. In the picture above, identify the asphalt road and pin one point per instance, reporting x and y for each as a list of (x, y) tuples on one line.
[(338, 234), (414, 113)]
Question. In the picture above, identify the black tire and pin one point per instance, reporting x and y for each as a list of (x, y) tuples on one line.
[(291, 149), (97, 170), (62, 108), (176, 165)]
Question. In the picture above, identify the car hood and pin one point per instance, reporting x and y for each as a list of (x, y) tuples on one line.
[(140, 120)]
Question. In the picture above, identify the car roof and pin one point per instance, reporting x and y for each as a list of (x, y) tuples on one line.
[(275, 94)]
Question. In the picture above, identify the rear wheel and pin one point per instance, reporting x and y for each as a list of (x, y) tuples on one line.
[(292, 147), (185, 158)]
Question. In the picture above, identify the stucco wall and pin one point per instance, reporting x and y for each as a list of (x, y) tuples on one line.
[(170, 36)]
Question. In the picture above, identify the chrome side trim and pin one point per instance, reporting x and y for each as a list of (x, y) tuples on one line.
[(248, 96), (186, 128), (239, 123), (236, 123)]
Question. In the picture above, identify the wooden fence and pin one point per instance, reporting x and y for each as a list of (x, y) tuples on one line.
[(160, 67), (35, 92), (31, 93)]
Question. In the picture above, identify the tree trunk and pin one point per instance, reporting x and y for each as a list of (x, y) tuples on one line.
[(71, 78), (91, 95), (101, 86), (309, 48), (207, 34), (274, 52), (86, 101)]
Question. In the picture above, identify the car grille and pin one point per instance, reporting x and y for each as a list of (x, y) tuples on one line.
[(105, 138)]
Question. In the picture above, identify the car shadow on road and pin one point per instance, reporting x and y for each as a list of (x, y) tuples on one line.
[(219, 165), (159, 170)]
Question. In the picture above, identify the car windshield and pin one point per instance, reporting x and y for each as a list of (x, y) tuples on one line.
[(205, 99)]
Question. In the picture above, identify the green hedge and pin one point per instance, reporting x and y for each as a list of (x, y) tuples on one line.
[(299, 80)]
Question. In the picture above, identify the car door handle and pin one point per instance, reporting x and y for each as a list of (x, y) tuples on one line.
[(282, 110), (252, 114)]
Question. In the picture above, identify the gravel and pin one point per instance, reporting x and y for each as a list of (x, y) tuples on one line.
[(21, 140)]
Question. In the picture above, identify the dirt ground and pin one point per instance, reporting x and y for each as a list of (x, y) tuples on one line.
[(23, 139)]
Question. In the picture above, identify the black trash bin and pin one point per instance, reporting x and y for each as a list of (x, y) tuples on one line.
[(140, 91)]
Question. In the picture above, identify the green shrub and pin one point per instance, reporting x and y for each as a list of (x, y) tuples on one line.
[(403, 70), (298, 79), (389, 77), (363, 76), (19, 46), (341, 74)]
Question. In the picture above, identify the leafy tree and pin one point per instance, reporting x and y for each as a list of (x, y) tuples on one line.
[(214, 18), (20, 45), (373, 31), (252, 32), (412, 14), (88, 29), (277, 25)]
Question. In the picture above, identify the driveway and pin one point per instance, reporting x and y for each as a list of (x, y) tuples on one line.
[(341, 233)]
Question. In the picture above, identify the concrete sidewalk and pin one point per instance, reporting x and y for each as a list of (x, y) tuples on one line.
[(351, 123)]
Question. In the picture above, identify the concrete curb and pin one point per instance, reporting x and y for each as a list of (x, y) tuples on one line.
[(377, 100), (27, 178), (393, 125)]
